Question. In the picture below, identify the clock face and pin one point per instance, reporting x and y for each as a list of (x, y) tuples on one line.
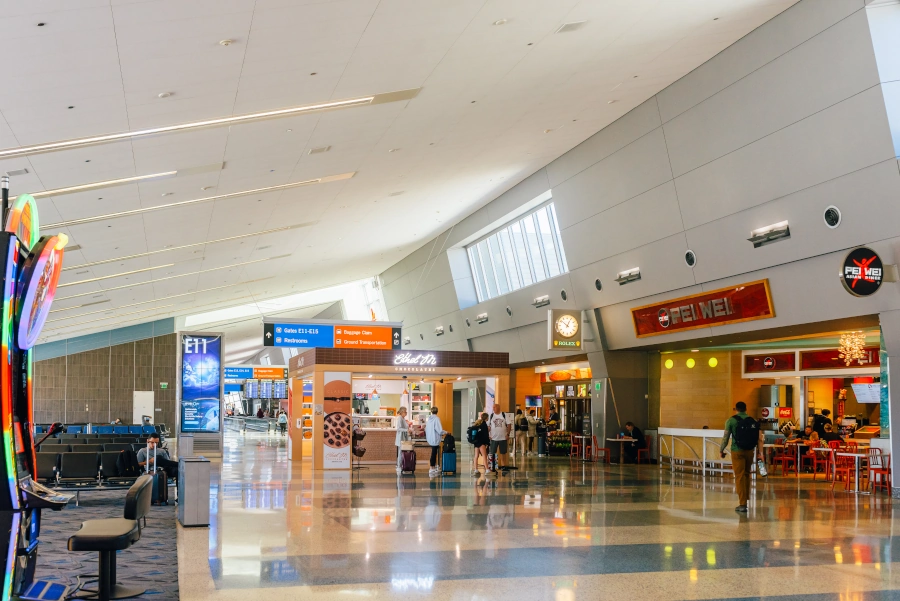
[(567, 326)]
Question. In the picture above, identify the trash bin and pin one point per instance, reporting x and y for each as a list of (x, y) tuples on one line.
[(186, 445), (542, 445), (193, 491)]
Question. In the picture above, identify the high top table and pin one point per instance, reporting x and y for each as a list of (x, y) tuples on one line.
[(621, 442)]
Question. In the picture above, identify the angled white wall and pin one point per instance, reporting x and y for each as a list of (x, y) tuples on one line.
[(787, 121)]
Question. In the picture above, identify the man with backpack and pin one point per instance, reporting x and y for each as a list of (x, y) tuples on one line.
[(745, 436)]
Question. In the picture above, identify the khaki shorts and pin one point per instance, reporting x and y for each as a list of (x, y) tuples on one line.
[(500, 445)]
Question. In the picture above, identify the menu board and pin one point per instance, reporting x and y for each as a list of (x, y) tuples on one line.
[(251, 389), (265, 389), (279, 389), (867, 393)]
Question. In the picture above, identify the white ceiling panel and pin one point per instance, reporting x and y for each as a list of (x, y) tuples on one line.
[(476, 128)]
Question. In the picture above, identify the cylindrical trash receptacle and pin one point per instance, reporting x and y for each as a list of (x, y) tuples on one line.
[(542, 445), (186, 445), (193, 491)]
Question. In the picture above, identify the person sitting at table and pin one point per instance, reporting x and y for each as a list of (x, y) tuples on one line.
[(830, 434), (631, 448), (808, 435)]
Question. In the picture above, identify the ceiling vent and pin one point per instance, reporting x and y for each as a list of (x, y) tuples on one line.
[(319, 150), (73, 248), (264, 247), (15, 172), (769, 234), (567, 27)]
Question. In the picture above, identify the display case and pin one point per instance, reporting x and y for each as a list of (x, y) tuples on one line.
[(375, 422), (867, 432), (419, 401)]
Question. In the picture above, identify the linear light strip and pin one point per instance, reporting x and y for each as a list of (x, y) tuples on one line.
[(171, 277), (75, 143), (164, 297), (128, 306), (103, 184), (167, 313), (308, 182), (115, 275), (174, 248)]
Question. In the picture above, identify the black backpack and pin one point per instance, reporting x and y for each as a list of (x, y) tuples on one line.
[(449, 443), (127, 465), (472, 434), (746, 433)]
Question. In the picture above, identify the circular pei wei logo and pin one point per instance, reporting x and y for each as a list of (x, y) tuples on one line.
[(862, 272), (663, 317), (769, 363)]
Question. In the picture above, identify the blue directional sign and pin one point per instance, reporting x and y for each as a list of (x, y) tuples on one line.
[(299, 335), (238, 373)]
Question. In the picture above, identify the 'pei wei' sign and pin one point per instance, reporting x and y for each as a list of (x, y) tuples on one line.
[(745, 302)]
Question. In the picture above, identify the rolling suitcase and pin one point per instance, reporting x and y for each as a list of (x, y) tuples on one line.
[(160, 493), (408, 462), (448, 463), (492, 462)]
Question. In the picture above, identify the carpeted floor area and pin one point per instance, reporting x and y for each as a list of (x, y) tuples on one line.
[(152, 562)]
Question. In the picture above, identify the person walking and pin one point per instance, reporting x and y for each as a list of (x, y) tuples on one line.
[(521, 433), (499, 432), (480, 441), (402, 432), (532, 432), (433, 433), (282, 422), (746, 444)]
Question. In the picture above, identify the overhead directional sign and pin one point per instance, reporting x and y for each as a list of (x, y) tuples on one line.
[(332, 335)]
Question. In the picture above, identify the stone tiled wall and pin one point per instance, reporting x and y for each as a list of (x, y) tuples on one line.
[(96, 386)]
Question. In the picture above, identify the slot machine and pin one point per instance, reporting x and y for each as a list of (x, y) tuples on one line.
[(31, 265)]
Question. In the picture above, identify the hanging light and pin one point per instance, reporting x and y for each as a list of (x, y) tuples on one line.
[(852, 346)]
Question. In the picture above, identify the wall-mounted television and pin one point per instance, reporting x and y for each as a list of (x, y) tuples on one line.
[(533, 401)]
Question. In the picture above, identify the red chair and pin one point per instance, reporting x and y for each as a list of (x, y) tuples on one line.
[(574, 446), (645, 452), (879, 470), (778, 453), (822, 458), (789, 460), (597, 449), (844, 468)]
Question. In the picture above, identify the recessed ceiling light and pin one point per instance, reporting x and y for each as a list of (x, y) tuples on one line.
[(114, 275), (313, 73), (226, 42), (500, 22), (394, 150), (547, 131), (322, 180), (397, 193), (165, 94), (319, 150), (610, 102), (166, 194), (207, 187), (87, 160), (288, 112)]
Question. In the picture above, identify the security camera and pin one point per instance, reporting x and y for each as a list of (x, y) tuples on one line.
[(404, 377)]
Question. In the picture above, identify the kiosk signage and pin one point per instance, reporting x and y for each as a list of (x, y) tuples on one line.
[(201, 383), (333, 334)]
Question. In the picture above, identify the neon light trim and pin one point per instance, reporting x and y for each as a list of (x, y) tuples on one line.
[(6, 406), (23, 220), (39, 280), (11, 555)]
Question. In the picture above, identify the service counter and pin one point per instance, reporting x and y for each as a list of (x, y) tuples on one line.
[(380, 439)]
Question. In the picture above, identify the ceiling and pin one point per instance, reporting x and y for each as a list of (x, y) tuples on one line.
[(500, 95)]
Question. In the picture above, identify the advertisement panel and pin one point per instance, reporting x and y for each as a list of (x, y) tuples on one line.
[(336, 425), (201, 371)]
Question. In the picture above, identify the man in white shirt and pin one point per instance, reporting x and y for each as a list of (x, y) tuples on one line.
[(499, 432)]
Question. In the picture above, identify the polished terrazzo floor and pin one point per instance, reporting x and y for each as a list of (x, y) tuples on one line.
[(550, 530)]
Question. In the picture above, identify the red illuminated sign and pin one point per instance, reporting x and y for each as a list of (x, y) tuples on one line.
[(757, 364), (785, 413), (830, 359), (745, 302)]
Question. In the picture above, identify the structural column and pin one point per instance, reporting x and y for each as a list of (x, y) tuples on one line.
[(890, 332)]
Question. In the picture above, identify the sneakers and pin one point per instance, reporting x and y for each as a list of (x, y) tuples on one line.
[(435, 471), (399, 471), (741, 508), (476, 473)]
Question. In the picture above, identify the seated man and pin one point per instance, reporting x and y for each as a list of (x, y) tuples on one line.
[(830, 434), (145, 457), (631, 448)]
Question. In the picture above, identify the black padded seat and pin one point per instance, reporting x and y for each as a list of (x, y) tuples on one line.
[(117, 446), (79, 468), (47, 465), (109, 472), (89, 448), (115, 534)]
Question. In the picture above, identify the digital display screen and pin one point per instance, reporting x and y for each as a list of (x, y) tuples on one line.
[(279, 389), (867, 393), (265, 389), (201, 365), (532, 401), (251, 389)]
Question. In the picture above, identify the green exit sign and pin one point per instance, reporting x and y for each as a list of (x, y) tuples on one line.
[(597, 386), (163, 385)]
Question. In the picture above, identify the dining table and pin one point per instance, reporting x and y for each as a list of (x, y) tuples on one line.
[(621, 442)]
